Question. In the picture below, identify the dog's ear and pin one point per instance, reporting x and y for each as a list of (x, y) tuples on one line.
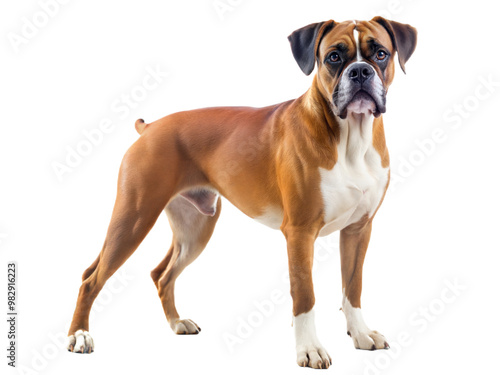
[(403, 36), (305, 42)]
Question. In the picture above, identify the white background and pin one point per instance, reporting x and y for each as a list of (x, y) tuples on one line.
[(437, 226)]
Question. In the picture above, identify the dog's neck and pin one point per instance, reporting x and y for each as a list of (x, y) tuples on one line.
[(353, 135), (356, 136)]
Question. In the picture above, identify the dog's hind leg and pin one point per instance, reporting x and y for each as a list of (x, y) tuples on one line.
[(192, 230), (145, 186)]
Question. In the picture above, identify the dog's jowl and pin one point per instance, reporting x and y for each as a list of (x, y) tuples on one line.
[(321, 165)]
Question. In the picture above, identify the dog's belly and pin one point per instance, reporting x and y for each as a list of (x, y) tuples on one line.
[(272, 217)]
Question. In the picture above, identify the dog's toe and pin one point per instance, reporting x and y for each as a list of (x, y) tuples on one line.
[(369, 340), (80, 342), (314, 356), (185, 327)]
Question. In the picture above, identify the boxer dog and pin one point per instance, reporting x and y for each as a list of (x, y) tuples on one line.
[(309, 167)]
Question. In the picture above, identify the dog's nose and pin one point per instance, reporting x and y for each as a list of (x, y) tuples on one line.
[(360, 72)]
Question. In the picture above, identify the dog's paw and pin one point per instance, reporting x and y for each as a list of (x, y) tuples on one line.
[(80, 342), (185, 327), (310, 353), (314, 356), (368, 340)]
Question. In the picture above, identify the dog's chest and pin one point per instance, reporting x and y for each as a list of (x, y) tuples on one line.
[(350, 190), (356, 184)]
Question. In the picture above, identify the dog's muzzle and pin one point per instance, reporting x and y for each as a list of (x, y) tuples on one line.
[(360, 91)]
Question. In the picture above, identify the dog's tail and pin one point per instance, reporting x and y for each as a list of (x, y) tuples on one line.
[(140, 125)]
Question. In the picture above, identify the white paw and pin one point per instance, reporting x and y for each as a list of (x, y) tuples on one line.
[(80, 342), (309, 350), (362, 336), (314, 356), (368, 340), (185, 327)]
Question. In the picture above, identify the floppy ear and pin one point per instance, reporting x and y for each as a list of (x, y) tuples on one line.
[(305, 42), (404, 38)]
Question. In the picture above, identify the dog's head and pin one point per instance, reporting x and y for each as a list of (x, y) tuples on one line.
[(355, 60)]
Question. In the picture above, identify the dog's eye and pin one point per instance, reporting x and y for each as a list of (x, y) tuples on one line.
[(333, 57), (381, 55)]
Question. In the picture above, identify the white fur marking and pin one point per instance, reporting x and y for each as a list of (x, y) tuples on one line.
[(354, 317), (309, 349), (356, 183), (362, 336), (305, 329), (80, 342), (184, 326), (357, 43)]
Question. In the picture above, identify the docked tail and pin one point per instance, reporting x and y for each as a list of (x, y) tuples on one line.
[(140, 125)]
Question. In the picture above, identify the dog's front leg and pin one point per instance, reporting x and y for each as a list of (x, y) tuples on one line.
[(300, 246), (353, 245)]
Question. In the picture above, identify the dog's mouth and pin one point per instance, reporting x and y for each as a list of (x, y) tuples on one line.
[(362, 102)]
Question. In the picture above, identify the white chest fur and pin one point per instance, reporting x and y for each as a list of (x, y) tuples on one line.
[(355, 186)]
